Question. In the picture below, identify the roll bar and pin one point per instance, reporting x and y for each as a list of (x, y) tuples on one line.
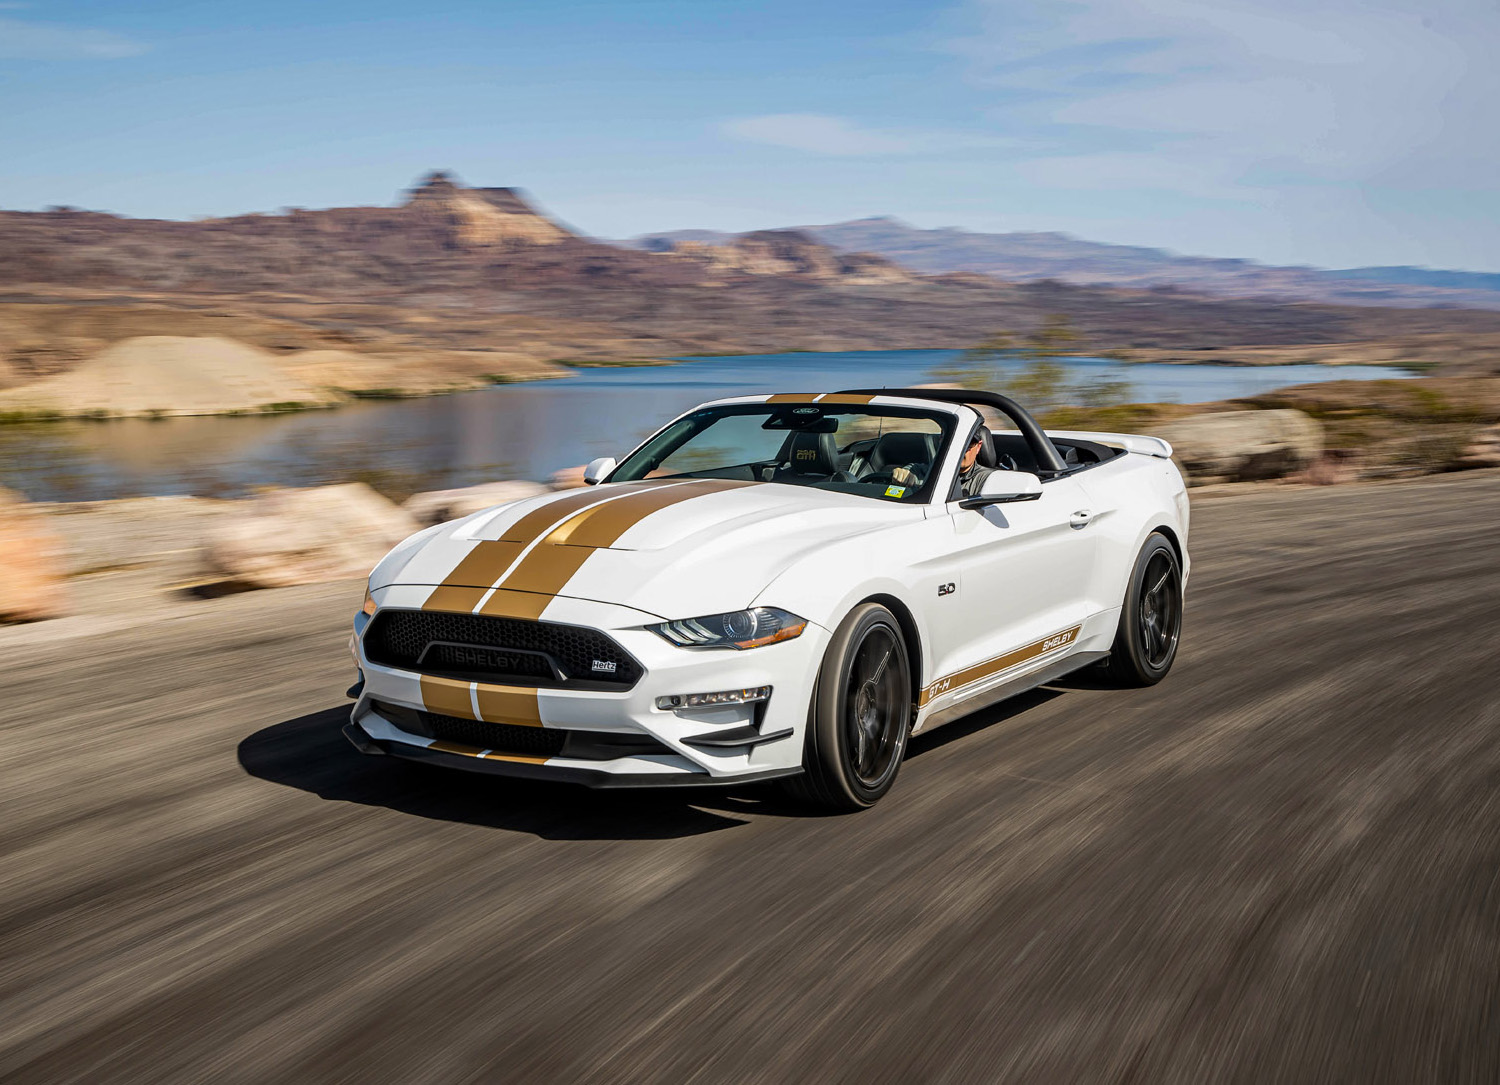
[(1041, 445)]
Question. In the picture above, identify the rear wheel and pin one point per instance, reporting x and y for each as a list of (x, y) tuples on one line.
[(1151, 619), (860, 716)]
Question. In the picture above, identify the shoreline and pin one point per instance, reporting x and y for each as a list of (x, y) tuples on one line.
[(1381, 423), (334, 397)]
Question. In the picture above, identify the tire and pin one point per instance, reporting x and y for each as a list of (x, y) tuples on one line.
[(1150, 627), (860, 716)]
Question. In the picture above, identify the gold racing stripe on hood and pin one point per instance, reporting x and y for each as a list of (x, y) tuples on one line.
[(470, 579), (546, 570), (819, 397), (989, 667), (603, 525)]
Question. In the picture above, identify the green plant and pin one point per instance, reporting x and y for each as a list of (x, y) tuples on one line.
[(1054, 338), (1041, 385), (975, 367), (1437, 448), (1044, 383)]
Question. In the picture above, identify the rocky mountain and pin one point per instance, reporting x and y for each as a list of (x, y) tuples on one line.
[(1027, 257), (455, 285), (443, 234)]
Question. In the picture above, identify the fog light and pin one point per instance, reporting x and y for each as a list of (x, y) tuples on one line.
[(711, 700)]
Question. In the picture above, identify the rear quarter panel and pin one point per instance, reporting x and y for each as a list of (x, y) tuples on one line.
[(1133, 495)]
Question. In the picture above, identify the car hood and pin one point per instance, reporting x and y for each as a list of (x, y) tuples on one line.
[(673, 549)]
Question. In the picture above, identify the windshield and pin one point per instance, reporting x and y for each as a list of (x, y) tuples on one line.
[(890, 453)]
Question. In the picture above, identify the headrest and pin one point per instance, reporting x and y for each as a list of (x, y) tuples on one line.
[(986, 447), (812, 454), (896, 449)]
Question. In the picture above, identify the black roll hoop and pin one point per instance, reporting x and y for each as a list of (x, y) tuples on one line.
[(1042, 448)]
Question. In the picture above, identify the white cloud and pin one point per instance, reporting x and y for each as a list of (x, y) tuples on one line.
[(816, 133), (1234, 96), (21, 40)]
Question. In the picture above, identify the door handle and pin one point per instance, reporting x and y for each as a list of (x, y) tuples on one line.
[(1081, 518)]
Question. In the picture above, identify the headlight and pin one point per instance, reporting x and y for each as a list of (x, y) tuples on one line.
[(737, 629), (369, 607)]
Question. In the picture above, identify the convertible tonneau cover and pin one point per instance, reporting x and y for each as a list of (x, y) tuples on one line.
[(1130, 442)]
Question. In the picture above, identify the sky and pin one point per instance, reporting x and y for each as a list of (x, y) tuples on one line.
[(1327, 132)]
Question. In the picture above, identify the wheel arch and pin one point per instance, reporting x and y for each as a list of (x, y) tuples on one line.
[(1171, 536), (909, 631)]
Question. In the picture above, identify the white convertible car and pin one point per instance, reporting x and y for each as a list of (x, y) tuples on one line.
[(775, 586)]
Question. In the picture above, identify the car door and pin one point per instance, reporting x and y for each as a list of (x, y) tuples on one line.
[(1021, 579)]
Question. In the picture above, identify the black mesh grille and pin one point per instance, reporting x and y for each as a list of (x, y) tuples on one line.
[(505, 737), (586, 658)]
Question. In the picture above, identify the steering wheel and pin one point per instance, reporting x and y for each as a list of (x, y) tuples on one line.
[(1006, 462), (915, 470)]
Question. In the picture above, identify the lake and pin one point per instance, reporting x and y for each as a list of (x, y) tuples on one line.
[(510, 431)]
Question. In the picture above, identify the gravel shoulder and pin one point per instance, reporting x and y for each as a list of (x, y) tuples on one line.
[(1279, 865)]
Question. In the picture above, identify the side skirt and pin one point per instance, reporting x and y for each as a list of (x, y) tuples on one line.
[(1009, 688)]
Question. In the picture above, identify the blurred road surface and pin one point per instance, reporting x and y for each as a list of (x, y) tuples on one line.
[(1282, 864)]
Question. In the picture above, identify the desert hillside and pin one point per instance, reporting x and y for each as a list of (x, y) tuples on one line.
[(454, 287), (1027, 256)]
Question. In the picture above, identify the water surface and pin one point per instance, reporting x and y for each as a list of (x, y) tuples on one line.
[(509, 431)]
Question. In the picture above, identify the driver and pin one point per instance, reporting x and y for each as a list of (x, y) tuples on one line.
[(971, 475)]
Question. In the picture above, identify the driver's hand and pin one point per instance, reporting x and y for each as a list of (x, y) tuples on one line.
[(905, 476)]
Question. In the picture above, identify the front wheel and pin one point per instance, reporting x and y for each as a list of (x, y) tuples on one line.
[(1151, 619), (860, 716)]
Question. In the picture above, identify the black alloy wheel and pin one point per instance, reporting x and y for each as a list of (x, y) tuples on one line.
[(1151, 619), (874, 706), (1160, 612), (861, 714)]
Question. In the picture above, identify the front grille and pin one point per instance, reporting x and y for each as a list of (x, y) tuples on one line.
[(520, 652)]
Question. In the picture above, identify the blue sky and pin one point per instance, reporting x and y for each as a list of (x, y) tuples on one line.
[(1330, 132)]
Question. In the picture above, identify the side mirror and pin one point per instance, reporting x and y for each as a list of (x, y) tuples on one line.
[(1003, 487), (597, 469)]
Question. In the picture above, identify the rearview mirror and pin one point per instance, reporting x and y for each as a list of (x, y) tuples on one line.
[(597, 469), (1003, 487)]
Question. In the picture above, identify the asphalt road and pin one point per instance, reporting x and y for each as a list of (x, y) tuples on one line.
[(1282, 864)]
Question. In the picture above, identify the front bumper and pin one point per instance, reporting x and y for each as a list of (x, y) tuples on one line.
[(560, 772), (728, 744)]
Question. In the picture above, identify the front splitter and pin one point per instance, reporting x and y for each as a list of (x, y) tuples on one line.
[(535, 769)]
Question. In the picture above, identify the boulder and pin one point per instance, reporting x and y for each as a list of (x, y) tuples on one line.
[(32, 563), (569, 478), (286, 537), (1243, 446), (436, 506), (1333, 467), (1483, 449)]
